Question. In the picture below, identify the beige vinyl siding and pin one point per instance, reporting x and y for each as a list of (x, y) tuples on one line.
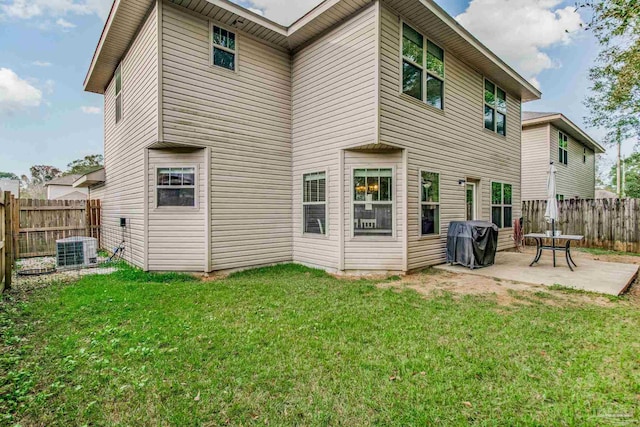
[(535, 161), (245, 117), (452, 142), (123, 196), (576, 179), (374, 253), (177, 240), (334, 101)]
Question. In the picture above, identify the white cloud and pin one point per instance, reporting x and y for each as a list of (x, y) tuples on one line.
[(16, 93), (90, 110), (26, 9), (41, 63), (519, 30), (65, 24), (284, 12)]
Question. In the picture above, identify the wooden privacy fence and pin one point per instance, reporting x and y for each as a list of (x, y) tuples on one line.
[(7, 237), (42, 222), (604, 223)]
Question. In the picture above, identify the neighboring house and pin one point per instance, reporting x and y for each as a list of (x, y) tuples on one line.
[(551, 137), (61, 188), (605, 194), (346, 141), (12, 185)]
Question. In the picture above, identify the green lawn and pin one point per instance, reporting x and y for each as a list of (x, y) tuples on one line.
[(292, 346)]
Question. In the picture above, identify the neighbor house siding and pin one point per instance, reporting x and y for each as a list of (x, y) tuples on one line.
[(575, 179), (123, 196), (245, 117), (177, 239), (452, 142), (334, 106), (535, 161), (66, 192)]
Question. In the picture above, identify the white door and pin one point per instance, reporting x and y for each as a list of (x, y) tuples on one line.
[(471, 201)]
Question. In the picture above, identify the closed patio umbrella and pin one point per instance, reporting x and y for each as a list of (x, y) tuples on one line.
[(551, 213)]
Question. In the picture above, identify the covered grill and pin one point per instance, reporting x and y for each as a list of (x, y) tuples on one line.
[(472, 243)]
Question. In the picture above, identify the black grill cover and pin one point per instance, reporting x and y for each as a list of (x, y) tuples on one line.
[(472, 243)]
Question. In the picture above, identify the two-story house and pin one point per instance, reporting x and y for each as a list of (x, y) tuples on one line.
[(551, 137), (346, 141)]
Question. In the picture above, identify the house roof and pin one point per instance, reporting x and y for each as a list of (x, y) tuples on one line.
[(91, 178), (126, 17), (63, 180), (559, 120)]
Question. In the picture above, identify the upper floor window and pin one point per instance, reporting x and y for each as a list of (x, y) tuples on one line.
[(314, 202), (118, 78), (176, 187), (422, 68), (563, 148), (584, 154), (495, 108), (501, 204), (224, 48)]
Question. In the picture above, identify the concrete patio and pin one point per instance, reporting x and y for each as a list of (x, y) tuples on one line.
[(610, 278)]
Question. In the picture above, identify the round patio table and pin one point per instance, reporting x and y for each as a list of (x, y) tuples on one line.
[(540, 246)]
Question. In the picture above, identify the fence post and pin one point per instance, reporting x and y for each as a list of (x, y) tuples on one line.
[(8, 239)]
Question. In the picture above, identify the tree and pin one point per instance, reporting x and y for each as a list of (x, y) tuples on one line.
[(8, 175), (85, 165), (631, 182), (614, 102), (33, 187)]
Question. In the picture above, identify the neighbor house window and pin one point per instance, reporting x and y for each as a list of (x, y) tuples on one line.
[(118, 78), (560, 197), (584, 155), (176, 187), (495, 108), (314, 202), (422, 68), (501, 204), (563, 145), (430, 203), (373, 202), (224, 48)]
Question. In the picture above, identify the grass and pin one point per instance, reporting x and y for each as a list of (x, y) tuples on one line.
[(288, 345), (596, 251)]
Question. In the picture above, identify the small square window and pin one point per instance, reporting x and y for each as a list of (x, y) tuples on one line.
[(176, 187)]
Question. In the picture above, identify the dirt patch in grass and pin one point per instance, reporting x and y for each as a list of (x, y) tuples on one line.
[(431, 282)]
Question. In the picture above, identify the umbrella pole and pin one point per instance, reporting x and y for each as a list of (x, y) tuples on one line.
[(553, 240)]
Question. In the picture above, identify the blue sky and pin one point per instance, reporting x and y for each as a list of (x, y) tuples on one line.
[(46, 47)]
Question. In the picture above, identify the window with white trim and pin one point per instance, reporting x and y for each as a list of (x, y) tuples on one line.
[(430, 203), (176, 187), (501, 204), (314, 202), (584, 154), (422, 68), (563, 148), (223, 48), (118, 87), (373, 202), (495, 108)]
